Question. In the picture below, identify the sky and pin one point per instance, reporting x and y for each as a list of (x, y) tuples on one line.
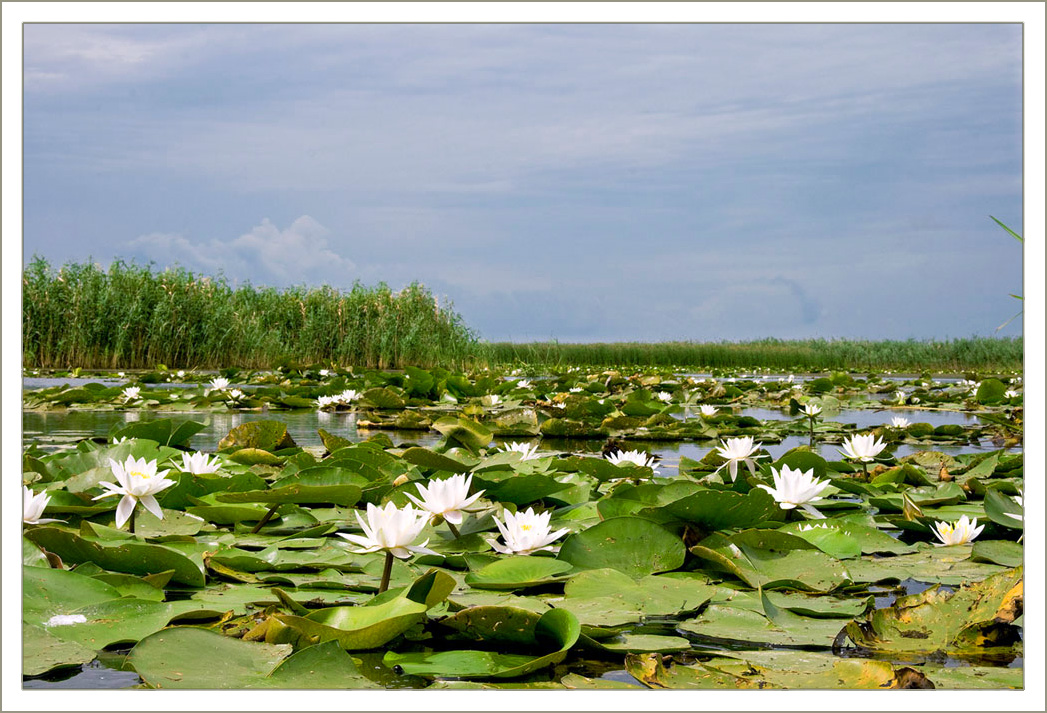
[(577, 182)]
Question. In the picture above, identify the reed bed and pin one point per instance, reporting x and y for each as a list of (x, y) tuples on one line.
[(131, 316), (956, 355)]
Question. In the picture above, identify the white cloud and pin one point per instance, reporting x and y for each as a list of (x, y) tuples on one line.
[(266, 254)]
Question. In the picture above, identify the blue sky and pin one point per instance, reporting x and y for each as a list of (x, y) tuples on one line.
[(577, 182)]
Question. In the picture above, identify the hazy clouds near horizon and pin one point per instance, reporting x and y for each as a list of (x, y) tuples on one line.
[(578, 182)]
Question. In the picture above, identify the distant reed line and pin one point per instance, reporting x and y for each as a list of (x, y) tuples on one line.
[(956, 355), (130, 316)]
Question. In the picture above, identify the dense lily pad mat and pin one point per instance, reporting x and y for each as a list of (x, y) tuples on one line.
[(670, 569)]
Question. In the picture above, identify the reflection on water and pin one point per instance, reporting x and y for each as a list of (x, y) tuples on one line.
[(50, 429)]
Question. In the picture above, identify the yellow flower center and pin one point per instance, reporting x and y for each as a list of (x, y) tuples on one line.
[(525, 528), (137, 474)]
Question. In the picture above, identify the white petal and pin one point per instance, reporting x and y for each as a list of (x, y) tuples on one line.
[(150, 504), (124, 510)]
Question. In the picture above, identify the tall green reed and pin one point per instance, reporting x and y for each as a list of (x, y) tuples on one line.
[(130, 316)]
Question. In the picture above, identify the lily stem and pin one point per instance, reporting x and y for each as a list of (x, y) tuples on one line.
[(454, 530), (131, 523), (386, 572), (265, 518)]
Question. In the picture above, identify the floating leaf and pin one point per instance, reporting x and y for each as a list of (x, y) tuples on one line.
[(368, 627), (973, 620), (556, 629), (128, 556), (518, 572), (260, 435), (631, 545), (42, 652), (186, 657), (714, 510)]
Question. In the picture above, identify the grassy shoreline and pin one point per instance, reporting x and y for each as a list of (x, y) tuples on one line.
[(131, 316), (957, 355)]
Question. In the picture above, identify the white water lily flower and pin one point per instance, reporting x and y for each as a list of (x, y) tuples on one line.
[(491, 400), (131, 393), (180, 373), (862, 448), (199, 463), (325, 372), (447, 498), (958, 533), (139, 483), (900, 395), (664, 396), (525, 532), (391, 529), (708, 410), (323, 402), (65, 620), (218, 384), (236, 394), (636, 457), (527, 451), (1010, 394), (738, 450), (523, 384), (576, 390), (899, 422), (347, 396), (33, 506), (796, 488), (811, 410)]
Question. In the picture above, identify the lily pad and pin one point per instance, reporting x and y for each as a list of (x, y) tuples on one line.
[(368, 627), (518, 573), (258, 435), (129, 556), (714, 510), (632, 545), (42, 652), (556, 629), (973, 620), (187, 657)]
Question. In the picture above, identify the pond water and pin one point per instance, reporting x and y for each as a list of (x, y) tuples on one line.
[(56, 429)]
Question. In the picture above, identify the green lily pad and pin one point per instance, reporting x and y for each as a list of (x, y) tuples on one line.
[(631, 545), (754, 629), (1001, 552), (518, 572), (162, 430), (383, 398), (258, 435), (714, 510), (943, 565), (311, 485), (470, 434), (187, 657), (368, 627), (770, 559), (42, 652), (556, 629), (434, 462), (1002, 510), (130, 556), (505, 624), (254, 456)]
